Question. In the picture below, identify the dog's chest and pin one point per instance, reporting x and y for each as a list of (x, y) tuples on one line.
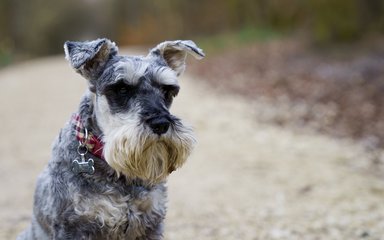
[(121, 215)]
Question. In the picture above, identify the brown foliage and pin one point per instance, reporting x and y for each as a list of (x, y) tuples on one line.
[(338, 92)]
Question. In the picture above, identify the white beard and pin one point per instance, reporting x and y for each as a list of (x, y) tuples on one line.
[(133, 150)]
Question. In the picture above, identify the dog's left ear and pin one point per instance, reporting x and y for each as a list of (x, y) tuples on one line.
[(175, 52), (89, 58)]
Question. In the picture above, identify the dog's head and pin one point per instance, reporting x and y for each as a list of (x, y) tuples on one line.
[(131, 101)]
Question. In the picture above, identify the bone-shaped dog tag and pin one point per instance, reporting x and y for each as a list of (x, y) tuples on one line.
[(83, 166)]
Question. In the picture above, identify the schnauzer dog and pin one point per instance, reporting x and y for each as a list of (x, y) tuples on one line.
[(106, 178)]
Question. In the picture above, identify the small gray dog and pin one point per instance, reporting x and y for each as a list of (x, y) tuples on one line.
[(106, 178)]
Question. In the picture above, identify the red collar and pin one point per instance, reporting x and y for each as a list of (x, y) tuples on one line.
[(94, 144)]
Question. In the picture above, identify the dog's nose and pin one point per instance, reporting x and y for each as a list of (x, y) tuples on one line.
[(159, 125)]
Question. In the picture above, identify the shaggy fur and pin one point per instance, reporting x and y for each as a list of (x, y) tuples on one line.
[(127, 106)]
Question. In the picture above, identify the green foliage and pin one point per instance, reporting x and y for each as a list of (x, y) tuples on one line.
[(5, 58), (235, 39), (251, 34)]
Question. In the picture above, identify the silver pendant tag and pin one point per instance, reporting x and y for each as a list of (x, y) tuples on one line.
[(83, 166)]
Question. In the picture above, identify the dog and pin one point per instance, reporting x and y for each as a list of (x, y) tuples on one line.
[(106, 177)]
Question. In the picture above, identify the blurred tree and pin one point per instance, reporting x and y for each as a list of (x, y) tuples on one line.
[(334, 20), (371, 14), (41, 26)]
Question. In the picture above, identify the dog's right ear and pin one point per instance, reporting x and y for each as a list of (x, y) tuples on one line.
[(89, 58), (175, 52)]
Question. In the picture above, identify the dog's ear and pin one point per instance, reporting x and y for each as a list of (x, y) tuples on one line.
[(89, 58), (175, 52)]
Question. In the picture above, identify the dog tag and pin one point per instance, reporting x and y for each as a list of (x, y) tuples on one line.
[(83, 166)]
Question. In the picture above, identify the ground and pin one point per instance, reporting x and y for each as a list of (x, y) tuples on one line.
[(245, 180)]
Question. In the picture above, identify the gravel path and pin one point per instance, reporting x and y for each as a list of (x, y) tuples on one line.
[(245, 180)]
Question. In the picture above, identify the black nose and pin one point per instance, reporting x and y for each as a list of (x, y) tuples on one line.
[(159, 125)]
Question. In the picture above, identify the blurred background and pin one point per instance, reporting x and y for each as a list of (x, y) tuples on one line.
[(334, 47), (316, 65), (41, 26)]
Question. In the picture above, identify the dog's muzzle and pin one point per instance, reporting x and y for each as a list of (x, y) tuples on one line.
[(148, 149)]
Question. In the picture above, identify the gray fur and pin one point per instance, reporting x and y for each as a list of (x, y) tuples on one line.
[(115, 203)]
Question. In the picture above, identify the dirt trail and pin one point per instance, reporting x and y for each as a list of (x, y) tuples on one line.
[(245, 180)]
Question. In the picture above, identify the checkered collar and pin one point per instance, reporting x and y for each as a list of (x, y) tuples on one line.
[(93, 143)]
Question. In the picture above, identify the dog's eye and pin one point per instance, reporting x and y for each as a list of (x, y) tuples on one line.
[(120, 88), (170, 91)]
